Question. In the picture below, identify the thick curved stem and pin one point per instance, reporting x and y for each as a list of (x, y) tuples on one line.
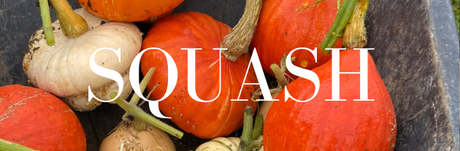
[(7, 145), (250, 132), (46, 20), (354, 35), (239, 38), (340, 21), (246, 137), (72, 24)]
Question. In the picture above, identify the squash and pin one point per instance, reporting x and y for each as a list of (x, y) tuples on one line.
[(333, 125), (196, 30), (143, 132), (288, 24), (226, 144), (129, 11), (250, 140), (63, 69), (354, 36), (38, 120), (137, 135)]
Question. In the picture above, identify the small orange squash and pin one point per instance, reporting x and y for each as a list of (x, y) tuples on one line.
[(129, 11), (34, 118)]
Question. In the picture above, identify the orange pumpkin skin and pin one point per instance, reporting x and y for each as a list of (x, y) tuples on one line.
[(203, 119), (281, 29), (129, 11), (38, 120), (323, 125)]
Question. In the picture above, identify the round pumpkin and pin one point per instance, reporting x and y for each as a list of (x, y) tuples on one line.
[(333, 125), (34, 118), (284, 26), (129, 11), (196, 30)]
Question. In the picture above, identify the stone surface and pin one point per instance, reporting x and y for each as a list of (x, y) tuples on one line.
[(416, 52)]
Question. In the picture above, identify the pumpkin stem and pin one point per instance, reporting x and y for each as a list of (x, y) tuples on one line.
[(340, 21), (137, 112), (139, 124), (279, 72), (250, 135), (354, 35), (46, 20), (131, 108), (247, 127), (258, 127), (72, 24), (239, 38), (135, 98), (7, 145)]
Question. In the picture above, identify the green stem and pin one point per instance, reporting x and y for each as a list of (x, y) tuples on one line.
[(246, 137), (338, 4), (139, 115), (239, 38), (135, 111), (340, 21), (10, 146), (72, 24), (46, 20), (135, 99), (258, 127)]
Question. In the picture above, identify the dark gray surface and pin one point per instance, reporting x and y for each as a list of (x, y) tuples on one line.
[(416, 52)]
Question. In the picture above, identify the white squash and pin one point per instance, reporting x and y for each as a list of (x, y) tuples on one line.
[(63, 69), (225, 144), (140, 137)]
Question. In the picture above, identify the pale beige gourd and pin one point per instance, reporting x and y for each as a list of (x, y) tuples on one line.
[(225, 144), (63, 69), (143, 137)]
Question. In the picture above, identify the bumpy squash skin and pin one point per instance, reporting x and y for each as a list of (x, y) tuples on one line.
[(321, 125), (38, 120), (281, 29), (129, 11), (196, 30), (125, 137)]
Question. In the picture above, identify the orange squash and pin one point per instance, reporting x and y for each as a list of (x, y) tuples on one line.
[(325, 125), (284, 26), (222, 116), (38, 120), (129, 11), (196, 30)]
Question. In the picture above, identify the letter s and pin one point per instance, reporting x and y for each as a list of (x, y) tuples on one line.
[(107, 73), (301, 72)]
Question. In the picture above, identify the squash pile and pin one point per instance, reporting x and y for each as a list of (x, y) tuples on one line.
[(205, 76)]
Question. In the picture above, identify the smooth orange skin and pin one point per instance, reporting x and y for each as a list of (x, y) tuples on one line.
[(38, 120), (129, 11), (282, 29), (196, 30), (322, 125)]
